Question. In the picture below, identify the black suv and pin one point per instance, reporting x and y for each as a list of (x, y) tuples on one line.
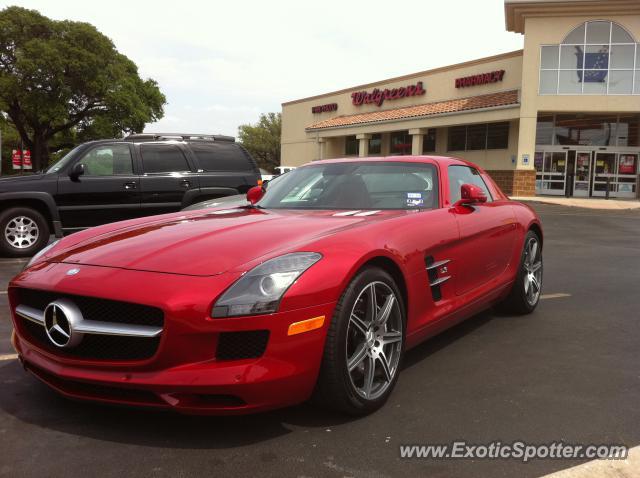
[(112, 180)]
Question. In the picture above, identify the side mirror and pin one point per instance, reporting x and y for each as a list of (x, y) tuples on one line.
[(255, 194), (470, 194), (76, 171), (265, 183)]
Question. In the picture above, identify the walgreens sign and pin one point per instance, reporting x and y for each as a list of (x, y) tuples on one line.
[(377, 97), (324, 108), (482, 79)]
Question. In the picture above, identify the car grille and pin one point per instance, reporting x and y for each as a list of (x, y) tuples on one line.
[(94, 346), (242, 345), (93, 308)]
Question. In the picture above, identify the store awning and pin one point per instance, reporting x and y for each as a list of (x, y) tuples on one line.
[(494, 100)]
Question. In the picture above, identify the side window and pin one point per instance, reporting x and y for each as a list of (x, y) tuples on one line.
[(459, 175), (163, 158), (221, 157), (108, 160)]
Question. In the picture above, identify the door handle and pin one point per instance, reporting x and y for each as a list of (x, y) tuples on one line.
[(185, 183), (130, 185)]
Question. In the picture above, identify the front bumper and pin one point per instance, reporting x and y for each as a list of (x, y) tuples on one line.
[(184, 375)]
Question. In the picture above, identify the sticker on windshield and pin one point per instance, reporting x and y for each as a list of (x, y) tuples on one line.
[(415, 200)]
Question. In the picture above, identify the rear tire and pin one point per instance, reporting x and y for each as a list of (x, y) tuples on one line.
[(23, 232), (525, 292), (363, 351)]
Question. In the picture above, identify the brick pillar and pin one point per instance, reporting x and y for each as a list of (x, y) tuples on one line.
[(515, 182), (524, 182)]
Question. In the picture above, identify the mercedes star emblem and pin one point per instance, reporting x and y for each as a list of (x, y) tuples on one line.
[(60, 319)]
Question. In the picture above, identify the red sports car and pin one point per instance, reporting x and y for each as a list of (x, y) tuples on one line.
[(314, 289)]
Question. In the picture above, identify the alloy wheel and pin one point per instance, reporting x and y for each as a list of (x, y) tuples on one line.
[(21, 232), (374, 340), (532, 271)]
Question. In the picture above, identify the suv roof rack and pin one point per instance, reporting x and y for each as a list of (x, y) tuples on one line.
[(179, 136)]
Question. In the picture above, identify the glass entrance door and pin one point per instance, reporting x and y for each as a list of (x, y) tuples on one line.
[(582, 174), (626, 170), (551, 168), (605, 168)]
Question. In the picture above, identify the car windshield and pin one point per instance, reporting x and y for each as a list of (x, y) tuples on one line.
[(54, 168), (356, 185)]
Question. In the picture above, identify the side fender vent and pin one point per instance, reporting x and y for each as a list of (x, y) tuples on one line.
[(438, 275)]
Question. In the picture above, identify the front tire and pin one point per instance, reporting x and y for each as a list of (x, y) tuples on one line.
[(364, 345), (525, 293), (23, 232)]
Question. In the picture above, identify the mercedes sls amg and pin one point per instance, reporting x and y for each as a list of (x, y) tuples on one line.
[(315, 288)]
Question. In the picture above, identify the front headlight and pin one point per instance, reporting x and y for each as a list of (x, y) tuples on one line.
[(260, 290), (39, 254)]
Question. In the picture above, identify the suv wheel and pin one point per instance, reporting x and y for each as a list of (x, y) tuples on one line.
[(23, 232)]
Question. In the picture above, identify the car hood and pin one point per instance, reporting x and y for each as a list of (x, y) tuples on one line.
[(210, 242), (20, 179)]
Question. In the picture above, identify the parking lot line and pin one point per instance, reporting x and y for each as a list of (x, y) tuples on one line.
[(559, 295), (13, 261), (6, 357)]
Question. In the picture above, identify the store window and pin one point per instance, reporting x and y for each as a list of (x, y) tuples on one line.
[(478, 137), (498, 135), (588, 130), (544, 129), (351, 146), (456, 140), (628, 130), (375, 144), (596, 58), (400, 143), (429, 143)]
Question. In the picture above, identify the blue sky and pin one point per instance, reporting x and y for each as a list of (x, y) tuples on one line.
[(221, 64)]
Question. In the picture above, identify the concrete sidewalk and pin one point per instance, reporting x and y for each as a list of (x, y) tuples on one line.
[(629, 468), (587, 203)]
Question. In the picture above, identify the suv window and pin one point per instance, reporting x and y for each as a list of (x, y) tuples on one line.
[(221, 157), (163, 158), (459, 175), (108, 160)]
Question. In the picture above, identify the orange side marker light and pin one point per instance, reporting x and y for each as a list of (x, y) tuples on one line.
[(306, 325)]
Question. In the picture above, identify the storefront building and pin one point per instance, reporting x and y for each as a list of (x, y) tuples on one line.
[(560, 117)]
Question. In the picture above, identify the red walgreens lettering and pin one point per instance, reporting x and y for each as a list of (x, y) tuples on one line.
[(378, 97)]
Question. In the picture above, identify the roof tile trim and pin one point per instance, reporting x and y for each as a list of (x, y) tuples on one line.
[(491, 100)]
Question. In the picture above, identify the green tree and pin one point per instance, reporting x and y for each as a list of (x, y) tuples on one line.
[(58, 76), (10, 141), (262, 140)]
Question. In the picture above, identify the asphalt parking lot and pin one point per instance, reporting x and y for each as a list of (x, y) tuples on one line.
[(568, 372)]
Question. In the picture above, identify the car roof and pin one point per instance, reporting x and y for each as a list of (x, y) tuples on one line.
[(440, 160), (160, 140)]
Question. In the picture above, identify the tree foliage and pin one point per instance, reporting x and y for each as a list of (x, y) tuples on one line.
[(62, 76), (262, 140)]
